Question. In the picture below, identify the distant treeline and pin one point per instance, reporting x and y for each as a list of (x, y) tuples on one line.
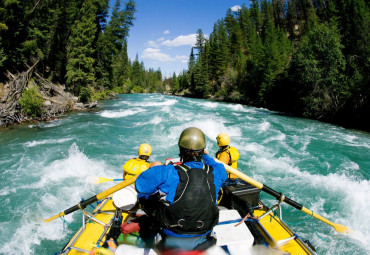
[(311, 58), (74, 44)]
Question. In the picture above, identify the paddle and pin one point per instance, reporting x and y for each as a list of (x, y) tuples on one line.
[(339, 228), (102, 180), (93, 199)]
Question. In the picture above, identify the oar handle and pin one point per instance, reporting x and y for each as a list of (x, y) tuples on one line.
[(278, 196), (95, 198)]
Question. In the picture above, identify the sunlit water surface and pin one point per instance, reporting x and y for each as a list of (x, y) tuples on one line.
[(48, 167)]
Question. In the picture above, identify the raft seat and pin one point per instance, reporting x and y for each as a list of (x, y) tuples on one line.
[(238, 240)]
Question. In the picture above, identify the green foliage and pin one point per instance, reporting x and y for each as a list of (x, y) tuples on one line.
[(248, 57), (41, 31), (174, 84), (31, 102), (2, 57), (80, 71), (318, 66), (3, 26), (306, 57), (85, 95)]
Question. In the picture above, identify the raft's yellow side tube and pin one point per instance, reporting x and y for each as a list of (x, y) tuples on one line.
[(93, 234), (278, 234)]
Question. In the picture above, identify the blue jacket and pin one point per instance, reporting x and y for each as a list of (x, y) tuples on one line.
[(165, 178)]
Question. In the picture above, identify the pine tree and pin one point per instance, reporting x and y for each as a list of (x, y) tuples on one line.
[(110, 43), (191, 67), (218, 51), (199, 41), (120, 67), (175, 85), (318, 67), (137, 74), (80, 71)]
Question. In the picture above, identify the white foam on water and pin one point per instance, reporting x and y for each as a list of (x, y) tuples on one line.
[(6, 191), (355, 204), (210, 127), (350, 166), (54, 123), (155, 120), (270, 164), (154, 104), (118, 114), (207, 104), (257, 149), (355, 193), (47, 141), (279, 137), (264, 126), (240, 108), (30, 232), (76, 166), (353, 140), (62, 184)]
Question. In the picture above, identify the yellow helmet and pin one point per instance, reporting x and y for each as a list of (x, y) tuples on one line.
[(222, 139), (145, 150)]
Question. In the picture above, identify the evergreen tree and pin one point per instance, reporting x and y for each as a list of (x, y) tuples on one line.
[(80, 71), (235, 36), (137, 75), (201, 81), (184, 80), (110, 43), (199, 41), (174, 84), (318, 68), (120, 67), (191, 67)]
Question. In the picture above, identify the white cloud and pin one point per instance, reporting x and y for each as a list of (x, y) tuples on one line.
[(181, 40), (235, 8), (166, 32), (152, 44), (156, 54), (151, 53), (182, 59), (160, 39)]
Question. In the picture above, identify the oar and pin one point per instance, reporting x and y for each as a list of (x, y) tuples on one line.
[(339, 228), (93, 199), (102, 180)]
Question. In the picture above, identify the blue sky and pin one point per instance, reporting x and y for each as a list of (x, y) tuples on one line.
[(164, 30)]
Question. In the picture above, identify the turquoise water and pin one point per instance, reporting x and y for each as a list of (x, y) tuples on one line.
[(48, 167)]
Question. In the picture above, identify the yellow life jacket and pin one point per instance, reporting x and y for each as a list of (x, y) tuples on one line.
[(134, 167), (234, 156)]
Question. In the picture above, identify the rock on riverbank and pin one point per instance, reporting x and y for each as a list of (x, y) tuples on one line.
[(56, 100)]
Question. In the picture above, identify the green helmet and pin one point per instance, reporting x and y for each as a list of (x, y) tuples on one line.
[(192, 139)]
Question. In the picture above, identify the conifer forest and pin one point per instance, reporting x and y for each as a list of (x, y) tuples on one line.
[(309, 58)]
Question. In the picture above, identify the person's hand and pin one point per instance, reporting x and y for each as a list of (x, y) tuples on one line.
[(155, 163), (127, 228)]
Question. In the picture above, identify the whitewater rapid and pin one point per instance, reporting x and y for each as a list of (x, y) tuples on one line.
[(48, 167)]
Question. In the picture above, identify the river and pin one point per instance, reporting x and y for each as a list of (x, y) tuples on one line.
[(48, 167)]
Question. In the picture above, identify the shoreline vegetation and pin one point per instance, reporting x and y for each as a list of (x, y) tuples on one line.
[(305, 58)]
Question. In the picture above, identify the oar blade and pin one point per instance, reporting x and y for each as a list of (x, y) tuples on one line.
[(341, 229), (54, 217), (102, 180)]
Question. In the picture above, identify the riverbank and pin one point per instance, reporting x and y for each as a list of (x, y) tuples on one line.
[(53, 100)]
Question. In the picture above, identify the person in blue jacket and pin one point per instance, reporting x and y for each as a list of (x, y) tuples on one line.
[(182, 199)]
